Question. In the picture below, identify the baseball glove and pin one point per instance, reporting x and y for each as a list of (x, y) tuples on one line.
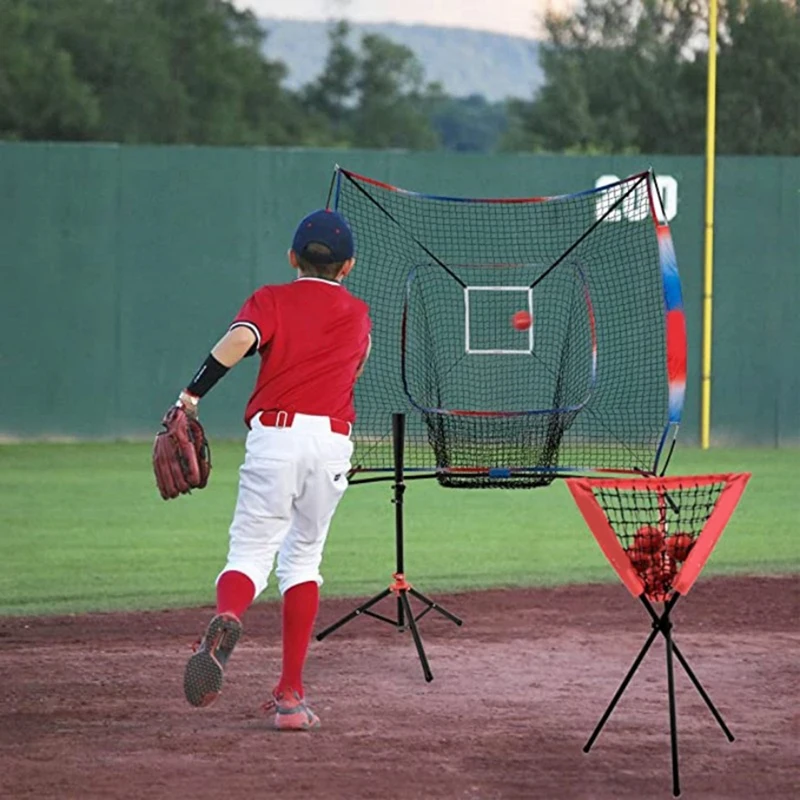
[(181, 454)]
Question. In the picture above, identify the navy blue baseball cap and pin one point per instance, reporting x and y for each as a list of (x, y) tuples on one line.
[(326, 228)]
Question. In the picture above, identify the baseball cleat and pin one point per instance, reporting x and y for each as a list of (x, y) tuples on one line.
[(202, 681), (291, 712)]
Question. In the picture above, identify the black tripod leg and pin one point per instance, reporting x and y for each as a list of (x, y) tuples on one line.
[(356, 612), (702, 692), (693, 678), (401, 625), (673, 725), (435, 606), (624, 685), (426, 670)]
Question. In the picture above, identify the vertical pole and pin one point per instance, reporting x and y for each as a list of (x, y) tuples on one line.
[(673, 723), (398, 444), (708, 244)]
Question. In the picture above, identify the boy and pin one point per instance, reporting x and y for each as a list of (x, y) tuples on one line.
[(313, 337)]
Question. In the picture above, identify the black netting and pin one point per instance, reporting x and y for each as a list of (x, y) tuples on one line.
[(657, 527), (583, 387)]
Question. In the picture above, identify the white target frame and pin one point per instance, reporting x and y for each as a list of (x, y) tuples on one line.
[(474, 351)]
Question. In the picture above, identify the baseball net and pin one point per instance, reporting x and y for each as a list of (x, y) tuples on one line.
[(658, 533), (594, 383)]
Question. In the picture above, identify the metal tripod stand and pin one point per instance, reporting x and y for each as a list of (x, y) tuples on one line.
[(399, 586)]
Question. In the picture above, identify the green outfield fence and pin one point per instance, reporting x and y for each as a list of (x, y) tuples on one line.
[(120, 267)]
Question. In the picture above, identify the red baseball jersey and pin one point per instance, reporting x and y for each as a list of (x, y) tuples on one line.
[(312, 336)]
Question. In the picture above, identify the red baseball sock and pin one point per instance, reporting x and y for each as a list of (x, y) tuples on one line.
[(235, 593), (300, 606)]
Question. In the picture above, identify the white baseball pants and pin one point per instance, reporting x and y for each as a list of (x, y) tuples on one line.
[(290, 484)]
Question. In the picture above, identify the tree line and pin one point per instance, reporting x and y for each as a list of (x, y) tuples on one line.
[(630, 76), (195, 71), (620, 76)]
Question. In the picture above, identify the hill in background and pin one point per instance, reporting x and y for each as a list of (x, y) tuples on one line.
[(465, 62)]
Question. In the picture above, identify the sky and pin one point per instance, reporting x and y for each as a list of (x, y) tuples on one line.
[(516, 17)]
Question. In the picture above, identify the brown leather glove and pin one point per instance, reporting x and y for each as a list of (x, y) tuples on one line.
[(181, 454)]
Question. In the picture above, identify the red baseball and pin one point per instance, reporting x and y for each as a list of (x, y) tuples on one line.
[(669, 568), (679, 545), (522, 320), (648, 539), (639, 559), (654, 582)]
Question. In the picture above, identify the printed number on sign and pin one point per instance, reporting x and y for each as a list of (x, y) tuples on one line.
[(636, 206)]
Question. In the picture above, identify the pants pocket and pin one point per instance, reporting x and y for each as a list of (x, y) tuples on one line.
[(337, 473)]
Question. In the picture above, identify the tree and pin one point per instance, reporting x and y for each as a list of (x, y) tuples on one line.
[(629, 76), (614, 72), (195, 71), (331, 95), (759, 77), (167, 71), (371, 97), (390, 88), (120, 49), (41, 97), (466, 124), (234, 93)]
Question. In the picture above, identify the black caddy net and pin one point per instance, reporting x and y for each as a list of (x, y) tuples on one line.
[(493, 403), (658, 529)]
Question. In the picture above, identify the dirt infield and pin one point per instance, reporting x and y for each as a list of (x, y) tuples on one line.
[(92, 705)]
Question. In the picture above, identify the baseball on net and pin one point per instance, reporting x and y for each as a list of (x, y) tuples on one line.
[(522, 320)]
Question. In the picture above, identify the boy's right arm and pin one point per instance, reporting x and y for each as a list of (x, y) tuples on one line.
[(227, 353), (252, 328), (181, 458), (234, 346)]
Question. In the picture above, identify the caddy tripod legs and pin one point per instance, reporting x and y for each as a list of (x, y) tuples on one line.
[(663, 625), (692, 677), (622, 687)]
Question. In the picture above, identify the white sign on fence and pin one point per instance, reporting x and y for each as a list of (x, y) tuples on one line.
[(636, 206)]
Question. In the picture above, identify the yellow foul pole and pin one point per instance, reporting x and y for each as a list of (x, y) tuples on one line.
[(708, 241)]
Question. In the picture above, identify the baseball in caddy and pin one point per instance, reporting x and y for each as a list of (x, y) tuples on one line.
[(522, 320), (679, 546), (648, 539), (639, 559)]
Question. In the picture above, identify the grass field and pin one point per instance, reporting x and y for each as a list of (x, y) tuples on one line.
[(83, 528)]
